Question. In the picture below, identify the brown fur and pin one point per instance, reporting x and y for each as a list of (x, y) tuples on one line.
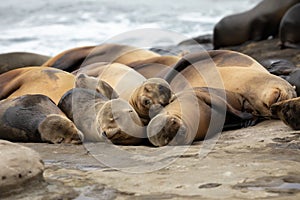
[(35, 80)]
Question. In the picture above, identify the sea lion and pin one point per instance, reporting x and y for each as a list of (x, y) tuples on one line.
[(35, 118), (258, 23), (189, 114), (35, 80), (289, 112), (278, 67), (146, 96), (289, 30), (14, 60), (237, 72), (101, 119), (73, 59)]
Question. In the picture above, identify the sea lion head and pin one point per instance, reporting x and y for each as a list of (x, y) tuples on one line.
[(288, 111), (269, 92), (167, 129), (119, 123), (150, 98)]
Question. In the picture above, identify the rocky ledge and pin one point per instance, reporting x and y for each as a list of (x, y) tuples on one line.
[(261, 162)]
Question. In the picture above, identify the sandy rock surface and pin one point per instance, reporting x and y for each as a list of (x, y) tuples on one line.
[(260, 162)]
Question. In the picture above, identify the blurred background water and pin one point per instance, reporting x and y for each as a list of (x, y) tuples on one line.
[(51, 26)]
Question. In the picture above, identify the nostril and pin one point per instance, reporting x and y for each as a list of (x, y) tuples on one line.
[(104, 134)]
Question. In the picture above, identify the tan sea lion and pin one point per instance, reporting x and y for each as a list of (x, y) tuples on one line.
[(288, 111), (237, 72), (101, 119), (258, 23), (72, 59), (35, 118), (289, 30), (188, 116), (35, 80), (147, 96), (15, 60)]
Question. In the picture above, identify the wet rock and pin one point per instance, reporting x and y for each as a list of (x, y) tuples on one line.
[(20, 166)]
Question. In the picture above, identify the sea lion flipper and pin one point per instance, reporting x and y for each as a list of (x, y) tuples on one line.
[(58, 129)]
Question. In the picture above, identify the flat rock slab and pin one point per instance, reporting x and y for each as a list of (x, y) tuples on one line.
[(260, 162), (20, 168)]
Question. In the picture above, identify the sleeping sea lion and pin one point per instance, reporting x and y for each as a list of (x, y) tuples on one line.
[(35, 80), (289, 112), (101, 119), (73, 59), (289, 30), (35, 118), (188, 117), (15, 60), (238, 73), (259, 23)]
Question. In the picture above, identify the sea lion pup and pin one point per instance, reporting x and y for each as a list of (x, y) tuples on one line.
[(35, 80), (14, 60), (289, 30), (146, 96), (36, 118), (258, 23), (238, 73), (101, 119), (73, 59), (188, 117), (289, 112)]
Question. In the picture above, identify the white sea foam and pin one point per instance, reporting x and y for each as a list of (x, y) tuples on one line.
[(49, 27)]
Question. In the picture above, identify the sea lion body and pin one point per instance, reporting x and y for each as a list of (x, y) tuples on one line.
[(35, 80), (101, 119), (237, 73), (15, 60), (73, 59), (289, 30), (35, 118), (188, 117), (256, 24)]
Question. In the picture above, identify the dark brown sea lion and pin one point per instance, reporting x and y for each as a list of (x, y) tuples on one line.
[(259, 23), (289, 112), (188, 117), (35, 118), (35, 80), (101, 119), (289, 31), (14, 60), (294, 79), (73, 59), (237, 72)]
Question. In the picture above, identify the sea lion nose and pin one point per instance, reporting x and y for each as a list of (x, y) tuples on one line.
[(104, 134), (154, 110)]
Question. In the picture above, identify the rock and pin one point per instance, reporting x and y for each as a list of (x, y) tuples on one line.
[(20, 166)]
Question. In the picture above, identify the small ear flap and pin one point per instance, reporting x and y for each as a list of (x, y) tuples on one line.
[(70, 60)]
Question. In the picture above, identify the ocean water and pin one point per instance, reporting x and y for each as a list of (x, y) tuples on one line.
[(51, 26)]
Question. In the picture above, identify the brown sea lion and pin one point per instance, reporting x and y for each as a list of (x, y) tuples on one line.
[(258, 23), (35, 118), (72, 59), (15, 60), (294, 79), (289, 30), (101, 119), (188, 117), (35, 80), (237, 73), (288, 111)]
